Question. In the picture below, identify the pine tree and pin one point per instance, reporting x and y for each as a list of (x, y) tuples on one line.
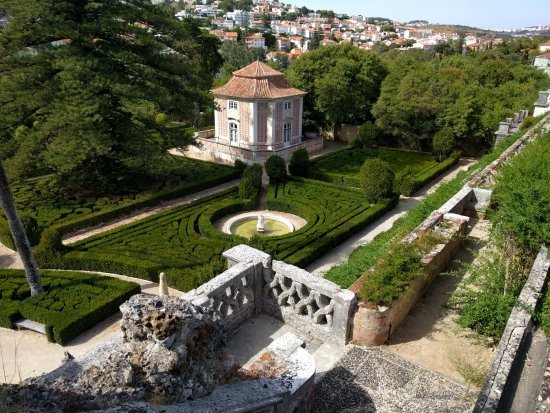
[(83, 82)]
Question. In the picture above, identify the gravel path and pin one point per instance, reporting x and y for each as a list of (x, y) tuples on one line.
[(90, 231), (340, 254)]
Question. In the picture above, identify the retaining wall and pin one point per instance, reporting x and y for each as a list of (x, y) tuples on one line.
[(373, 324), (511, 347)]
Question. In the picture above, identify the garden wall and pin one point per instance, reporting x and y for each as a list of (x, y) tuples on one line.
[(212, 148), (499, 385), (374, 324)]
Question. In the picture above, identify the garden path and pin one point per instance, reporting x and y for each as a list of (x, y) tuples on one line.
[(341, 252), (90, 231)]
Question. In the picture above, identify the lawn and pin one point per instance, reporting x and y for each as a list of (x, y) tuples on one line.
[(41, 200), (342, 166), (184, 243), (70, 304)]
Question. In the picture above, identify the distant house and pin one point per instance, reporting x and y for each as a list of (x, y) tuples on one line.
[(258, 114), (256, 40), (225, 36), (545, 47), (542, 62)]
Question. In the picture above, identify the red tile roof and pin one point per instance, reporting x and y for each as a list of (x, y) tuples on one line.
[(257, 81)]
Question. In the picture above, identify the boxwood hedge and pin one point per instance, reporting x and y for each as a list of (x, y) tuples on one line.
[(184, 243), (70, 304), (342, 167), (40, 199)]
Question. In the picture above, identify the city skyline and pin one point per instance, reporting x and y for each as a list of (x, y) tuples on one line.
[(482, 14)]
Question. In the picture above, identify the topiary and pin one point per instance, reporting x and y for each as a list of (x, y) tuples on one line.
[(365, 137), (251, 181), (376, 179), (275, 167), (240, 166), (443, 143), (299, 163), (405, 182)]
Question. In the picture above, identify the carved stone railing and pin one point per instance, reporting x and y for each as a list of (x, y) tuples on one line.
[(232, 294), (254, 283)]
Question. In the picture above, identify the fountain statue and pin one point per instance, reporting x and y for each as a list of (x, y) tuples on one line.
[(260, 226)]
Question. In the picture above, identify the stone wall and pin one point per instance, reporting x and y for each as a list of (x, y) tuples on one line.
[(374, 324), (217, 150), (254, 283), (510, 349)]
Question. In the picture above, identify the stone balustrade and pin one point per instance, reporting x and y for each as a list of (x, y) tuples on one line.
[(255, 283)]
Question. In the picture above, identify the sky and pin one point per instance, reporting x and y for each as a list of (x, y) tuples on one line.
[(477, 13)]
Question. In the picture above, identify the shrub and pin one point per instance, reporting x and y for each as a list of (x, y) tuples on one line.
[(405, 183), (527, 122), (366, 136), (299, 163), (522, 195), (377, 180), (251, 182), (70, 304), (275, 167), (240, 166), (394, 272), (443, 143)]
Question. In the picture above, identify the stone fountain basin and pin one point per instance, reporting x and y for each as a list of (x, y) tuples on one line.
[(292, 222)]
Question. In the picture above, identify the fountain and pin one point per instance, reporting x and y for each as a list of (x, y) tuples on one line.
[(260, 227), (261, 224)]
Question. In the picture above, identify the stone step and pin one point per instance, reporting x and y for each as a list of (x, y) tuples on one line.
[(30, 325)]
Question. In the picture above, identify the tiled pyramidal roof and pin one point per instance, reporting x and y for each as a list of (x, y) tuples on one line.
[(257, 81)]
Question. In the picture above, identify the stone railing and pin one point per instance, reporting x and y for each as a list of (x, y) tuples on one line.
[(254, 283), (498, 388)]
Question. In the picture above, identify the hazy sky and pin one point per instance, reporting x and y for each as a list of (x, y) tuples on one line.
[(478, 13)]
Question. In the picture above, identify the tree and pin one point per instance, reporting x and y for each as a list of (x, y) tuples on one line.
[(275, 168), (270, 39), (366, 136), (443, 143), (18, 233), (342, 83), (227, 5), (376, 179), (316, 39), (299, 163), (89, 103), (266, 20)]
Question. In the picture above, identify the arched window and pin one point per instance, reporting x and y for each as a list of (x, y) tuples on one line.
[(233, 133)]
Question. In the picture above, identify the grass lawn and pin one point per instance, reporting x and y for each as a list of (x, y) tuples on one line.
[(70, 304), (184, 243), (41, 200), (342, 166)]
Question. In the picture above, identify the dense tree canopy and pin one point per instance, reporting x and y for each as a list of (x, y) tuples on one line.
[(342, 83), (82, 83), (469, 95)]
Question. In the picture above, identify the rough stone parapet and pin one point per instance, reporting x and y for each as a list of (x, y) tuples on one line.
[(373, 324), (518, 328)]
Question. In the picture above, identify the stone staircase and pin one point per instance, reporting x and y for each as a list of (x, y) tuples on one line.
[(373, 380)]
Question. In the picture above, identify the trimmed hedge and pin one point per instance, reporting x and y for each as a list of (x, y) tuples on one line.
[(35, 198), (184, 243), (342, 167), (70, 304)]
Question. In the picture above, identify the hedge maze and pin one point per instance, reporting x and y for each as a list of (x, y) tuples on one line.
[(342, 166), (70, 304), (184, 243), (40, 199)]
